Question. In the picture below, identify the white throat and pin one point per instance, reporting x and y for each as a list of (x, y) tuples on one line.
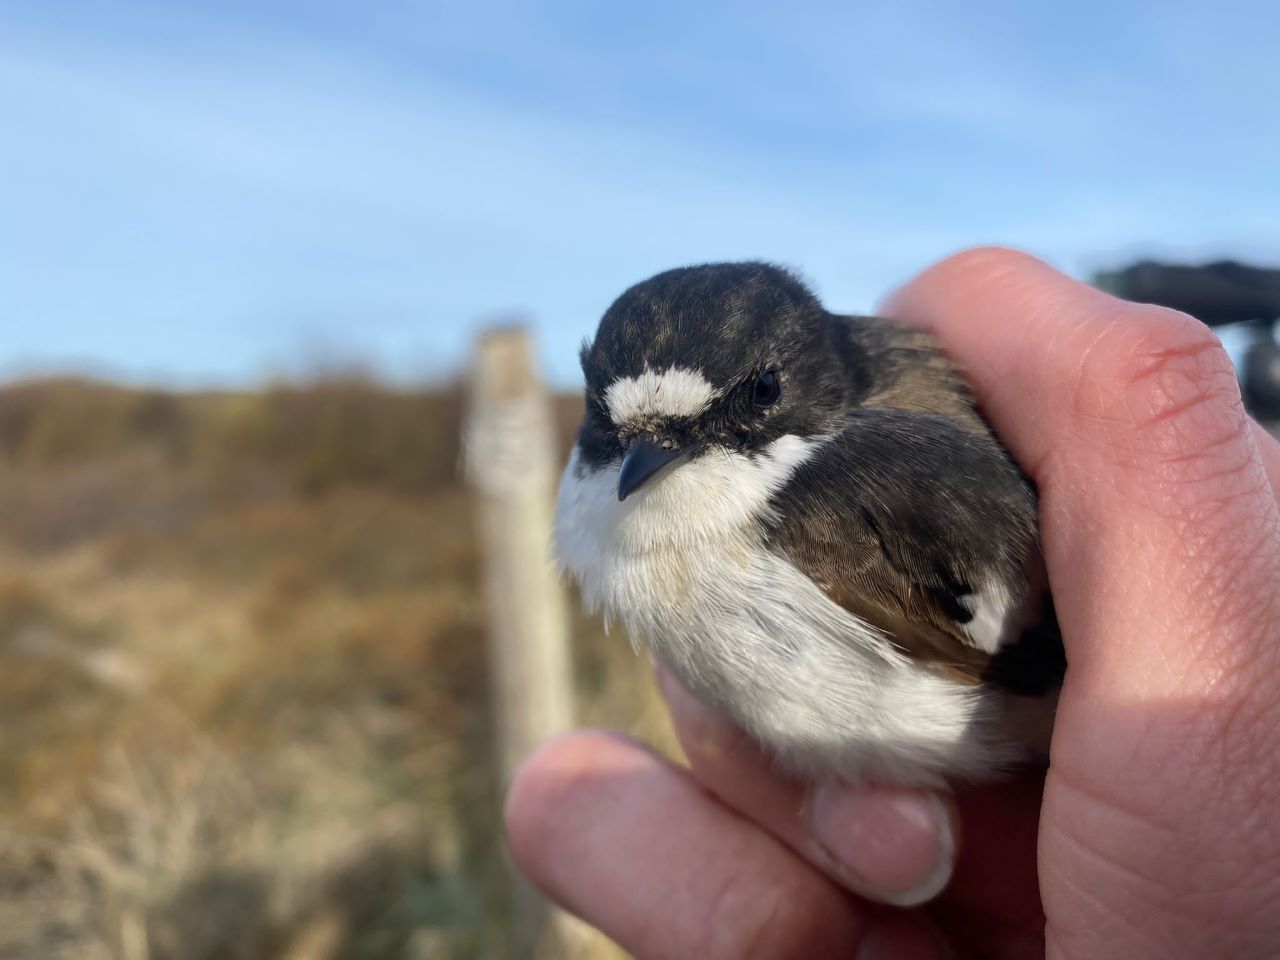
[(719, 495), (685, 564)]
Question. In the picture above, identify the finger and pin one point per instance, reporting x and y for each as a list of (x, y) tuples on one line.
[(993, 903), (1162, 539), (902, 936), (631, 844), (1160, 523), (892, 845), (1269, 450)]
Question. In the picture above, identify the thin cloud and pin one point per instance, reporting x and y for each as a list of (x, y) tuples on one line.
[(198, 191)]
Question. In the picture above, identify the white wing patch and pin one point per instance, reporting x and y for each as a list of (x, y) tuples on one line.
[(674, 392), (993, 610)]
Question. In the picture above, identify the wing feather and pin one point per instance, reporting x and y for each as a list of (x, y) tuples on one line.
[(912, 524)]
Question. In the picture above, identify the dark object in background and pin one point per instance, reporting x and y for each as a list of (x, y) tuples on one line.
[(1216, 293), (1220, 293), (1260, 379)]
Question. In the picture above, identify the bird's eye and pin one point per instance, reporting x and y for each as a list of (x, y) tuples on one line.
[(767, 389)]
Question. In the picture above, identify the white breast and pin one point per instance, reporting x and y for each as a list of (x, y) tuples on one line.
[(683, 565)]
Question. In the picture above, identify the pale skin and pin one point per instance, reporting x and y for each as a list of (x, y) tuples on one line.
[(1156, 831)]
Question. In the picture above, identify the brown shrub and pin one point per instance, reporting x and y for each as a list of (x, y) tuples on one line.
[(243, 697)]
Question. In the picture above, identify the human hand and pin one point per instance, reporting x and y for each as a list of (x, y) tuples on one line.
[(1156, 834)]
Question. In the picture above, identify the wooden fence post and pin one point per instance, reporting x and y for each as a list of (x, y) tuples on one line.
[(511, 462)]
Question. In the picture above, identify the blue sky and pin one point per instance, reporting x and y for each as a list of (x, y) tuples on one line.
[(199, 193)]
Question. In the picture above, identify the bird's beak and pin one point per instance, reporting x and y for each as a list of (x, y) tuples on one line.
[(644, 460)]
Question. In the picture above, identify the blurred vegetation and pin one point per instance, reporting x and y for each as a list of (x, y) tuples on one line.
[(243, 703)]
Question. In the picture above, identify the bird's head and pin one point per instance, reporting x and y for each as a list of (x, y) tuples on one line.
[(722, 359)]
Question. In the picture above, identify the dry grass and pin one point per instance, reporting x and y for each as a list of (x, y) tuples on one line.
[(243, 705)]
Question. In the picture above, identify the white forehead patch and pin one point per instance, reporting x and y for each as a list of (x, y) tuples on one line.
[(675, 392)]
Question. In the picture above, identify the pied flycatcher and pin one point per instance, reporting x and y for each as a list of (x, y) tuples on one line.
[(805, 518)]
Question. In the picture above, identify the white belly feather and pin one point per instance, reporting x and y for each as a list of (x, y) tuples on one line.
[(682, 565)]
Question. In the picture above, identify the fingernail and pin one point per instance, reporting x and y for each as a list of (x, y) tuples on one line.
[(894, 845)]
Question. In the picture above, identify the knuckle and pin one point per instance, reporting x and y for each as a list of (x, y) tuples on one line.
[(1226, 822), (1157, 400), (1161, 388), (990, 255), (1156, 397), (989, 262), (1176, 852)]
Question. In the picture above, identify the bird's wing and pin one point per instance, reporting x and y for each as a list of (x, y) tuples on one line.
[(929, 533)]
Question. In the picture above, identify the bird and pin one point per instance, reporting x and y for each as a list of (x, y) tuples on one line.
[(806, 519)]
